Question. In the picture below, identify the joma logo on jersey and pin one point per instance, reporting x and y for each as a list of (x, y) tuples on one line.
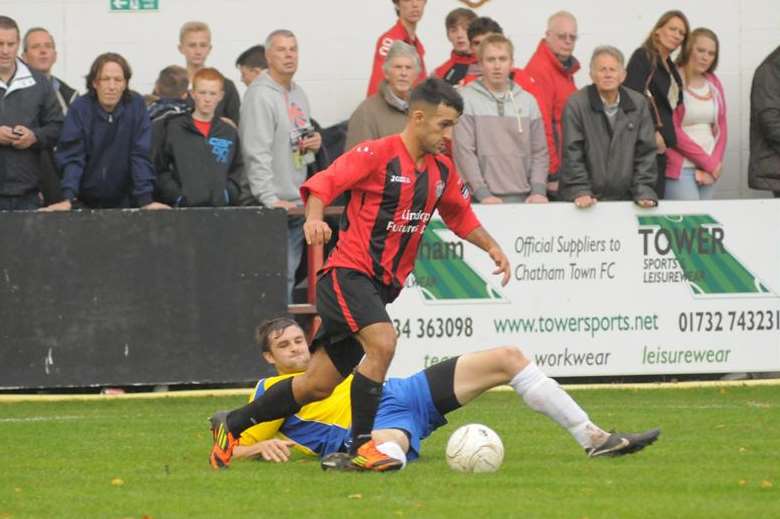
[(400, 179)]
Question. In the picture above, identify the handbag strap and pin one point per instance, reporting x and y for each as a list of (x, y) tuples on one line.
[(651, 97)]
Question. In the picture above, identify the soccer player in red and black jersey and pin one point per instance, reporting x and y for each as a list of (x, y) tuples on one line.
[(394, 185)]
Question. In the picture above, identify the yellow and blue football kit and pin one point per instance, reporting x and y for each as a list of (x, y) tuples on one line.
[(323, 427), (318, 428)]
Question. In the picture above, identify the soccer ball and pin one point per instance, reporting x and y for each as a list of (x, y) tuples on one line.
[(475, 448)]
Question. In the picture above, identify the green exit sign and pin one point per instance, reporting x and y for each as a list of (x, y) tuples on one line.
[(128, 6)]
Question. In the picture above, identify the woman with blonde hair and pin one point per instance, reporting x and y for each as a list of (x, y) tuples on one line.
[(651, 72), (695, 163)]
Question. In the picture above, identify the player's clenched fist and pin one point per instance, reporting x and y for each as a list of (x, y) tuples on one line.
[(316, 232)]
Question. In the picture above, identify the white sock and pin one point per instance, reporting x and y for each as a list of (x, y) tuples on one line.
[(393, 450), (544, 395)]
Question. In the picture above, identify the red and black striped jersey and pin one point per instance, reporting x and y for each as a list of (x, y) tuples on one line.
[(389, 205)]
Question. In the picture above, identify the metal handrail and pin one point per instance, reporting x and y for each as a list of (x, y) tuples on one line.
[(314, 262)]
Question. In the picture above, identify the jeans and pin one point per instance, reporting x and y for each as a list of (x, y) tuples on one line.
[(28, 202), (294, 251), (686, 188)]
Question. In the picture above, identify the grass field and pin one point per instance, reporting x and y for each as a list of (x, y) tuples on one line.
[(718, 457)]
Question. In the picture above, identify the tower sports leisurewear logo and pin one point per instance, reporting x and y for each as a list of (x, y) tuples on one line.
[(700, 257), (442, 275)]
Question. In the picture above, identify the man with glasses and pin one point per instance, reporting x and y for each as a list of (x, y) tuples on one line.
[(553, 67)]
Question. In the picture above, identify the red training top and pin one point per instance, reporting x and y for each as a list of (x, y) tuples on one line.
[(456, 68), (396, 32), (204, 127), (556, 84), (389, 206)]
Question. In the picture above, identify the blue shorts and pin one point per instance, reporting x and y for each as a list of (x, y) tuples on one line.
[(406, 404)]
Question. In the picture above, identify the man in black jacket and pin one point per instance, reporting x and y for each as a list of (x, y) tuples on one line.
[(39, 52), (197, 155), (30, 121), (764, 168)]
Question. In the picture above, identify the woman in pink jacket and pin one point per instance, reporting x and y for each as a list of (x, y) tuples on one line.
[(695, 164)]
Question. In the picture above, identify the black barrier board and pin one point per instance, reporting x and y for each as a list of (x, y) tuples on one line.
[(94, 298)]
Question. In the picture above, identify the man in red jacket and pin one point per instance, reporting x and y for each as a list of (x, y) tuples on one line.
[(409, 13), (456, 68), (553, 66)]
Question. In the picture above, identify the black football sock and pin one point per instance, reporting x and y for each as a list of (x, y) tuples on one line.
[(277, 402), (365, 394)]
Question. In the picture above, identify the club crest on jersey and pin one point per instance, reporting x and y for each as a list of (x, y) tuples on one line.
[(400, 179), (439, 188)]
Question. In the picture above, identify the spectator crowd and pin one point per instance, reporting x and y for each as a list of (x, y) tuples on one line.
[(651, 127)]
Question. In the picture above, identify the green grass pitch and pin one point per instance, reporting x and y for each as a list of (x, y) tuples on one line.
[(718, 457)]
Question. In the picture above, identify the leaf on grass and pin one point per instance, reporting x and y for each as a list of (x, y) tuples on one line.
[(355, 496), (766, 484), (742, 482), (720, 426), (17, 490), (117, 482), (742, 449), (723, 391)]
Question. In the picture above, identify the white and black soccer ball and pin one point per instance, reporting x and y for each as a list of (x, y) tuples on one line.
[(475, 448)]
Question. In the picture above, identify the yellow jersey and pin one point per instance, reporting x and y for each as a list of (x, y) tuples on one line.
[(317, 429)]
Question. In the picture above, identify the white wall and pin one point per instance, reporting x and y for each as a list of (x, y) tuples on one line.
[(337, 38)]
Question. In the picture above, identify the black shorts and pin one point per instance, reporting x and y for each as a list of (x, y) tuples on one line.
[(348, 301)]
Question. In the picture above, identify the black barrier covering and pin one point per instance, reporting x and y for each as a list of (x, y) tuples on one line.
[(137, 297)]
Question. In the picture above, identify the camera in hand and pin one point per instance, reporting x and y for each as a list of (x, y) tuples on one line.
[(297, 136)]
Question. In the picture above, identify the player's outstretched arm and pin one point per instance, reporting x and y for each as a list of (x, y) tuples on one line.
[(482, 239), (316, 231), (274, 450)]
